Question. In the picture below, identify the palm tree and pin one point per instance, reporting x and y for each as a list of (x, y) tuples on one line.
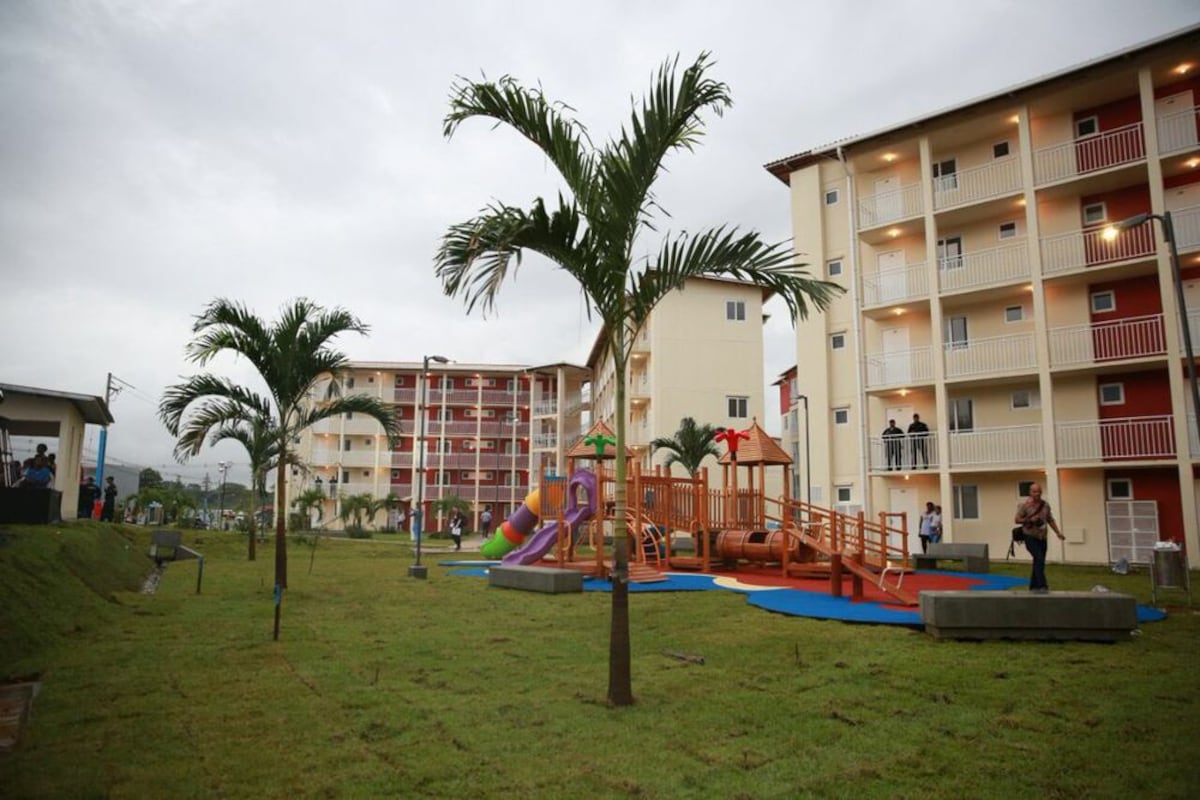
[(690, 445), (261, 441), (592, 231), (308, 500), (290, 355), (354, 508)]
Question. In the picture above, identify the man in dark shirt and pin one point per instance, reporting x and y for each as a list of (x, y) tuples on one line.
[(918, 432), (893, 443)]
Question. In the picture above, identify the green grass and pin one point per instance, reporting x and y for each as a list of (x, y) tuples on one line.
[(385, 686)]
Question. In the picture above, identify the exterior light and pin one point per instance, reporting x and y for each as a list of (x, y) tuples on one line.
[(890, 157), (894, 232), (1110, 234)]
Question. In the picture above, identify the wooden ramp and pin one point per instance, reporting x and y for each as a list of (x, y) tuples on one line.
[(852, 563)]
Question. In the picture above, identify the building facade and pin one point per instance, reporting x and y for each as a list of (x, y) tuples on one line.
[(990, 293), (485, 433)]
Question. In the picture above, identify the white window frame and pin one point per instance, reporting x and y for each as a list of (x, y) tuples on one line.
[(957, 261), (833, 196), (1007, 149), (1000, 231), (1094, 119), (1119, 386), (1009, 320), (843, 411), (1023, 488), (1031, 400), (960, 413), (1111, 485), (942, 180), (848, 489), (965, 341), (833, 268), (735, 310), (479, 413), (959, 501), (1089, 218), (1112, 299), (837, 341), (737, 407)]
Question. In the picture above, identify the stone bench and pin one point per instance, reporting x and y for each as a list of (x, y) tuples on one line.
[(1087, 616), (973, 556), (551, 580)]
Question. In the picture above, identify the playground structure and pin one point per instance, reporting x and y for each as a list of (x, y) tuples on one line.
[(679, 524)]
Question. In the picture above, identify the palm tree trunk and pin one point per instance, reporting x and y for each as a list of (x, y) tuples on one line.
[(252, 548), (281, 522), (620, 678)]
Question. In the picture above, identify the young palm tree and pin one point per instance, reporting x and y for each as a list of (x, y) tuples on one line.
[(354, 508), (261, 441), (308, 500), (690, 445), (592, 231), (290, 355)]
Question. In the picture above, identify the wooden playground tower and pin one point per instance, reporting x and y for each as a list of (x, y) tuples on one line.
[(680, 524)]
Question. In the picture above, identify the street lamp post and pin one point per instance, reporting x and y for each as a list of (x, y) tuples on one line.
[(223, 468), (418, 570), (807, 450), (1168, 229)]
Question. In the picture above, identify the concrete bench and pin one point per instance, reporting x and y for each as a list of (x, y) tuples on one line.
[(551, 580), (1087, 616), (973, 556)]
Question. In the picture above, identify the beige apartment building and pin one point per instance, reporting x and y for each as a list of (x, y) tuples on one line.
[(988, 294), (489, 433), (700, 355)]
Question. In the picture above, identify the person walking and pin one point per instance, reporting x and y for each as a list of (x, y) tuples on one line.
[(456, 528), (893, 444), (110, 500), (918, 432), (1034, 516), (926, 530), (485, 522)]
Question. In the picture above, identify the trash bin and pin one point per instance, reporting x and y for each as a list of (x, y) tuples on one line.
[(1168, 570)]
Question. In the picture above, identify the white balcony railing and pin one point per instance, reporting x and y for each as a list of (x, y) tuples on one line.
[(1079, 249), (901, 368), (1186, 222), (995, 354), (1135, 337), (982, 268), (886, 207), (993, 179), (545, 409), (1080, 156), (1193, 437), (905, 454), (1013, 444), (1115, 439), (896, 285), (545, 441), (1178, 131)]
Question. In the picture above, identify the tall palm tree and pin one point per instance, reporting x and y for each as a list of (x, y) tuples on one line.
[(290, 355), (592, 231), (690, 445), (261, 442)]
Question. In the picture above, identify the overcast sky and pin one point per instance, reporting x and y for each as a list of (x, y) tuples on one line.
[(154, 155)]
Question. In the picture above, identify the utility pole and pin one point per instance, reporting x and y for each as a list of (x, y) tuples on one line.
[(207, 482), (109, 390)]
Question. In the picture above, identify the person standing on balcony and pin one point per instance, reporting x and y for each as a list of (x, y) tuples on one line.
[(893, 443), (1034, 515), (918, 433)]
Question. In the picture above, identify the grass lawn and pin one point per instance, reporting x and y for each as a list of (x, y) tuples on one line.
[(386, 686)]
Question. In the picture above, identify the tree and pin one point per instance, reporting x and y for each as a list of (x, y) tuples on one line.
[(290, 355), (592, 231), (690, 445), (308, 500), (451, 502), (354, 508), (258, 436), (149, 479)]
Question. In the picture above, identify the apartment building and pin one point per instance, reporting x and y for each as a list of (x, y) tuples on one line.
[(489, 433), (989, 292), (700, 355)]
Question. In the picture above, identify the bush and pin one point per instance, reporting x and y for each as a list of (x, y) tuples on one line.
[(358, 533)]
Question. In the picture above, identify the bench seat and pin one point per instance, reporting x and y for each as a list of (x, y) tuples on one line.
[(551, 580), (1086, 616), (973, 556)]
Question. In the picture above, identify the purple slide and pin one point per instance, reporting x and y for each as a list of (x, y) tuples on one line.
[(545, 537)]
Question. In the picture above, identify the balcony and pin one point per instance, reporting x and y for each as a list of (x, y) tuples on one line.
[(983, 268), (545, 441), (997, 354), (1081, 249), (404, 396), (902, 368), (402, 459), (896, 285), (1003, 446), (545, 409), (1130, 438), (994, 179), (1177, 132), (492, 397), (1186, 222), (1093, 153), (1136, 337), (906, 454), (890, 206)]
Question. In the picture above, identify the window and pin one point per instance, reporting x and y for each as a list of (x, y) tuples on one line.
[(735, 310), (841, 416), (1088, 126), (831, 197), (1023, 488), (349, 383), (966, 501), (349, 415), (1120, 489), (1008, 230), (737, 407), (1000, 150), (945, 175), (833, 268), (470, 475), (1024, 398), (1014, 313), (837, 341), (1103, 302), (395, 474), (956, 332), (1094, 213), (844, 493), (346, 445), (486, 413), (961, 414), (949, 252), (1112, 394), (345, 476)]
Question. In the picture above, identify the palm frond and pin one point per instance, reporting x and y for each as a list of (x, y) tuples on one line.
[(224, 399), (351, 404)]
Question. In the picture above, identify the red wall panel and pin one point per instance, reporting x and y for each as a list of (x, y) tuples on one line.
[(1120, 204), (1161, 486), (1116, 114)]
